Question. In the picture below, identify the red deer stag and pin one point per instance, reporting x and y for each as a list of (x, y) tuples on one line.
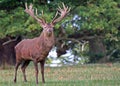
[(37, 49)]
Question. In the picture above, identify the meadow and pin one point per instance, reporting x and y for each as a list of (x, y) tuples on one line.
[(79, 75)]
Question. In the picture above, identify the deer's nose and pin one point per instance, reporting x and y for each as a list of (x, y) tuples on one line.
[(50, 30)]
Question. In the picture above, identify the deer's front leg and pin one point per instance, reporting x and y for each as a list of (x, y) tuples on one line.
[(36, 71), (42, 70)]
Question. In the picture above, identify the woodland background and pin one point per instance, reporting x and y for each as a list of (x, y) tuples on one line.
[(90, 33)]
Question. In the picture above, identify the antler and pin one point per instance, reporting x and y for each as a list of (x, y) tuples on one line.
[(63, 12), (30, 11)]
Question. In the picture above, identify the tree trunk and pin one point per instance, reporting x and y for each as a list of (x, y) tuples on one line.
[(97, 50), (7, 52)]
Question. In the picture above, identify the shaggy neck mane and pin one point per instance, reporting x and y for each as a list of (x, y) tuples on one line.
[(46, 41)]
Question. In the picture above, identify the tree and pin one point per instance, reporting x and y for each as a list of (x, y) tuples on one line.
[(98, 22), (95, 22)]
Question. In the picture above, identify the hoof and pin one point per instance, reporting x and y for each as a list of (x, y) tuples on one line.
[(14, 80), (25, 80)]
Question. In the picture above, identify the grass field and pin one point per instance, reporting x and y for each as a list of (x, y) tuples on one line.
[(81, 75)]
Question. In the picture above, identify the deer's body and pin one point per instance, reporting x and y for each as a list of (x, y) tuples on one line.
[(34, 49), (37, 49)]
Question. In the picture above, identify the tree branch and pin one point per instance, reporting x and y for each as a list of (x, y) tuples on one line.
[(78, 40)]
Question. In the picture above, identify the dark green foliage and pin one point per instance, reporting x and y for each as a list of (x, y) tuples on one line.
[(97, 18)]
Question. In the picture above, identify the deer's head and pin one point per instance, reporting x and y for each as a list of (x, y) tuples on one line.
[(48, 27)]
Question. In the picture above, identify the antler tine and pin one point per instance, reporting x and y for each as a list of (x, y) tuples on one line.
[(38, 15), (42, 12), (59, 8), (30, 11), (63, 13), (66, 7), (30, 7), (55, 15), (63, 5), (43, 16), (69, 9), (26, 6), (36, 12)]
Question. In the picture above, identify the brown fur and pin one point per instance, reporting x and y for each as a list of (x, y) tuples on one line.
[(35, 49)]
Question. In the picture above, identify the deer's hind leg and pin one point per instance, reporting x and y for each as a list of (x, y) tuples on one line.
[(23, 67), (16, 68), (36, 70), (42, 70)]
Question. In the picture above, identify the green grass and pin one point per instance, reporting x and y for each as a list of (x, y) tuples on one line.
[(81, 75)]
